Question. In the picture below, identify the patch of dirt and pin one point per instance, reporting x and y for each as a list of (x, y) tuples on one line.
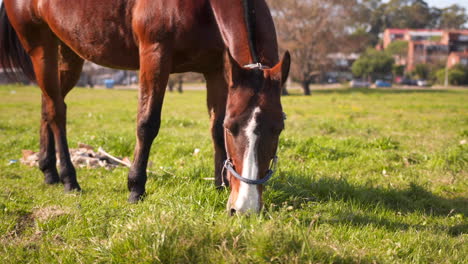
[(24, 221), (84, 157), (49, 212)]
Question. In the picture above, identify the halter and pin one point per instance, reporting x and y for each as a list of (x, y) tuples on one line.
[(257, 65)]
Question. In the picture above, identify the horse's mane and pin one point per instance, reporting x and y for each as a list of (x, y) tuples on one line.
[(250, 21)]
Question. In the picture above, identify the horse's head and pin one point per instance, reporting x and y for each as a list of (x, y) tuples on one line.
[(253, 123)]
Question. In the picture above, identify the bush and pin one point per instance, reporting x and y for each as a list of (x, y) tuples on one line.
[(421, 71), (458, 75), (373, 63), (398, 70)]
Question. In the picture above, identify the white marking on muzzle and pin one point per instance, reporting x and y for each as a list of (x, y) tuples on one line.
[(248, 198)]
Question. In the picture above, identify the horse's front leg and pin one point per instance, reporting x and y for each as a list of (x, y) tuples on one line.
[(155, 65), (217, 88)]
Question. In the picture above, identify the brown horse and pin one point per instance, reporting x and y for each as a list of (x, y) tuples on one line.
[(49, 39)]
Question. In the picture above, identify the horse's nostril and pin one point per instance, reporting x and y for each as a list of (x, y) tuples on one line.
[(233, 211)]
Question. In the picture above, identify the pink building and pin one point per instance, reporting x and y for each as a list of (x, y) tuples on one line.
[(427, 45), (457, 58)]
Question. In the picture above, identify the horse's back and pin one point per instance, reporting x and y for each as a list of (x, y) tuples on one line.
[(99, 31), (189, 25), (108, 32)]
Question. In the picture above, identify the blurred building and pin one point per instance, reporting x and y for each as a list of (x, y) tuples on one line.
[(94, 74), (340, 68), (433, 46), (91, 75), (457, 58), (5, 80)]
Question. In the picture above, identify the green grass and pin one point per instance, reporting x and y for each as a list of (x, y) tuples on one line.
[(364, 176)]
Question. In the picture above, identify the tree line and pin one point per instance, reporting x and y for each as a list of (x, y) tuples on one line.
[(314, 29)]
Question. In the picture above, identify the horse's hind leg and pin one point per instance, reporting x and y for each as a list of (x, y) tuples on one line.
[(44, 52), (217, 88), (70, 66)]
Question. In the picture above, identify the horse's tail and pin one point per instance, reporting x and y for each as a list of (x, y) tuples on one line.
[(14, 60)]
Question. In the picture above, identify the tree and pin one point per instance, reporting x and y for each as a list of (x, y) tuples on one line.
[(358, 41), (398, 48), (408, 14), (373, 64), (398, 70), (310, 30), (372, 17), (365, 22), (453, 17)]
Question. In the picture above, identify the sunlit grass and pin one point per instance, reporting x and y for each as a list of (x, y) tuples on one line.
[(364, 176)]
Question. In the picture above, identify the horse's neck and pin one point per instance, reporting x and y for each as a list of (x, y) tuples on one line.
[(230, 18)]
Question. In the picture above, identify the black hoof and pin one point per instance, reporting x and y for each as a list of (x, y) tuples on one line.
[(70, 187), (135, 197), (51, 178)]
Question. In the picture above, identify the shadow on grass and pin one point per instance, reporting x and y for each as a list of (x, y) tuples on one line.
[(376, 91), (362, 220), (412, 199), (415, 198)]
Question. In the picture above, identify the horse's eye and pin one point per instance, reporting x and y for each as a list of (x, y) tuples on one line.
[(232, 127), (276, 129)]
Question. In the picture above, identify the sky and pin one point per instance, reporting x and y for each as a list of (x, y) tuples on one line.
[(444, 3)]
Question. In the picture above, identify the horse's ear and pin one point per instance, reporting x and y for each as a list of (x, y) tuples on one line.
[(281, 70)]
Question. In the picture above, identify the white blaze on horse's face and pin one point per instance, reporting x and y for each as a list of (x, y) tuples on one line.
[(248, 198)]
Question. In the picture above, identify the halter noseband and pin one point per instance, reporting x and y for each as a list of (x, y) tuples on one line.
[(230, 167)]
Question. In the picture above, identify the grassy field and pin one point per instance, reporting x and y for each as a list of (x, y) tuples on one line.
[(365, 176)]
